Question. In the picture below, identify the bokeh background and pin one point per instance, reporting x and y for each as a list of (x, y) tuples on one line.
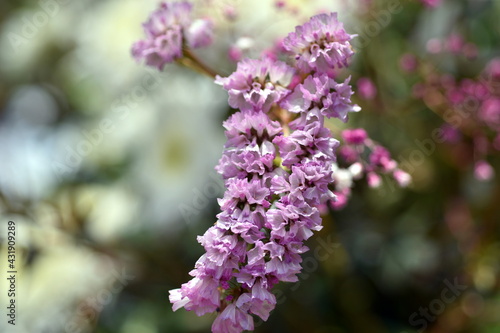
[(107, 169)]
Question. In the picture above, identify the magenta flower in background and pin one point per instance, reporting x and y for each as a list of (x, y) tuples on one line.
[(373, 180), (455, 43), (450, 133), (360, 157), (342, 198), (493, 70), (356, 136), (490, 113), (431, 3), (366, 88), (402, 177), (408, 62), (483, 171), (477, 98), (381, 158)]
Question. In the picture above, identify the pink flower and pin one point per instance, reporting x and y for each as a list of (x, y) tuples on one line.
[(366, 88), (455, 43), (431, 3), (319, 91), (257, 84), (355, 136), (232, 320), (341, 200), (234, 53), (490, 112), (403, 178), (373, 180), (434, 46), (199, 295), (483, 171), (381, 158), (166, 29), (408, 62), (200, 33), (320, 44), (276, 174)]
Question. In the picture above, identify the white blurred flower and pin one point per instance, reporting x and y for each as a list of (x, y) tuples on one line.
[(65, 285), (27, 144), (356, 170), (178, 152), (111, 211), (342, 178)]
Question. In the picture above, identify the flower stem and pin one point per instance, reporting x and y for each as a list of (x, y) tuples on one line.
[(191, 61)]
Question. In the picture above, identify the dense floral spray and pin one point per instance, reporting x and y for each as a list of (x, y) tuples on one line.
[(279, 162)]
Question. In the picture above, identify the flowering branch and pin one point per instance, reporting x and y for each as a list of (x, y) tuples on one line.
[(170, 36), (270, 209), (278, 163)]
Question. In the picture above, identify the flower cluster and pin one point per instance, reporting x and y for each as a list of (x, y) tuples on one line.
[(320, 92), (470, 107), (454, 44), (168, 30), (257, 84), (320, 44), (279, 163), (277, 166), (359, 157)]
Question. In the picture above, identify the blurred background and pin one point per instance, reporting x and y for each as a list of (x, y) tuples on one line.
[(107, 169)]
